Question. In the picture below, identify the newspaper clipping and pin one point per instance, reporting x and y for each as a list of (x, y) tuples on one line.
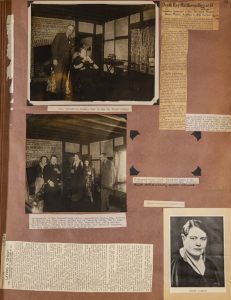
[(87, 267), (177, 19), (208, 122), (74, 221), (165, 181)]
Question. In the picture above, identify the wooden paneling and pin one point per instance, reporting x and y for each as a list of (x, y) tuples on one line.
[(83, 129)]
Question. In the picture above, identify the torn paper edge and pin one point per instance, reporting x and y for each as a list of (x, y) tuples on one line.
[(10, 52), (3, 249)]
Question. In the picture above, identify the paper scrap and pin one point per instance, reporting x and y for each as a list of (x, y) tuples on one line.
[(74, 221)]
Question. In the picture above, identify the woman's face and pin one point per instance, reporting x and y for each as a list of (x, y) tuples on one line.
[(44, 161), (86, 162), (53, 160), (195, 242), (76, 157)]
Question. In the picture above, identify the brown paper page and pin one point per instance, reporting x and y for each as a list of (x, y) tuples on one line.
[(171, 166)]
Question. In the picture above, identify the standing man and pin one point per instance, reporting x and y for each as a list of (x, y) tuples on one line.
[(107, 180), (52, 179), (61, 58)]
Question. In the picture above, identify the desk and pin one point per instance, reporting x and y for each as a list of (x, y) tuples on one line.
[(111, 63)]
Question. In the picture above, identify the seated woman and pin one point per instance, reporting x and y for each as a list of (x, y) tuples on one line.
[(84, 75), (190, 266)]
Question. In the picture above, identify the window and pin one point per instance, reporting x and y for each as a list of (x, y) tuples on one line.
[(116, 40), (120, 169), (121, 49), (121, 27)]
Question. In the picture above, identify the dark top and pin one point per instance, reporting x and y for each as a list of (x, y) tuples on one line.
[(39, 171), (52, 173), (78, 61), (61, 48), (183, 275), (77, 177)]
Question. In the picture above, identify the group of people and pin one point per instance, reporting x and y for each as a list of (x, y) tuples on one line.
[(73, 69), (48, 182)]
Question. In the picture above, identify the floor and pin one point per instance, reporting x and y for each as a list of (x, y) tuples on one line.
[(84, 205), (134, 86)]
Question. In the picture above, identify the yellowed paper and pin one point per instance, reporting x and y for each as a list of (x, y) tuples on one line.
[(165, 181), (159, 203), (218, 249), (177, 19), (10, 51), (97, 108), (85, 267), (71, 221), (2, 260), (208, 122)]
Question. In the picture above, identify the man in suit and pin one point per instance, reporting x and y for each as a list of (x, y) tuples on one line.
[(61, 58), (52, 179), (107, 180)]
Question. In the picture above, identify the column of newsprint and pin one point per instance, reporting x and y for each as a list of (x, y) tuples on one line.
[(78, 267)]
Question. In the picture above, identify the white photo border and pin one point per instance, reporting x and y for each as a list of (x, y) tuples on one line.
[(154, 101), (190, 212)]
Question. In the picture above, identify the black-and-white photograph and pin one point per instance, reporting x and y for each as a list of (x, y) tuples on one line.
[(197, 252), (76, 163), (93, 52)]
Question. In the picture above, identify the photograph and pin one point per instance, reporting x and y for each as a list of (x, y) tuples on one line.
[(86, 53), (197, 251), (76, 163)]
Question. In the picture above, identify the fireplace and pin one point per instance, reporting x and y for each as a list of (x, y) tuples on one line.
[(42, 62)]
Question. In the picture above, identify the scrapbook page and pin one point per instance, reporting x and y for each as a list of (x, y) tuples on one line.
[(115, 150)]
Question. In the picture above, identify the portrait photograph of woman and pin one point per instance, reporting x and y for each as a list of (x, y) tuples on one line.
[(197, 252)]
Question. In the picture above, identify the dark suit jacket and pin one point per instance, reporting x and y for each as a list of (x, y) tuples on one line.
[(51, 173), (61, 48)]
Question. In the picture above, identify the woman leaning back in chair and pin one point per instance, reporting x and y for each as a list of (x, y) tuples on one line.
[(83, 75)]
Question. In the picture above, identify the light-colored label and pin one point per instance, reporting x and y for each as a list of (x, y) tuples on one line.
[(177, 19), (165, 181), (72, 221), (78, 267), (98, 108), (208, 122), (156, 203), (10, 50)]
